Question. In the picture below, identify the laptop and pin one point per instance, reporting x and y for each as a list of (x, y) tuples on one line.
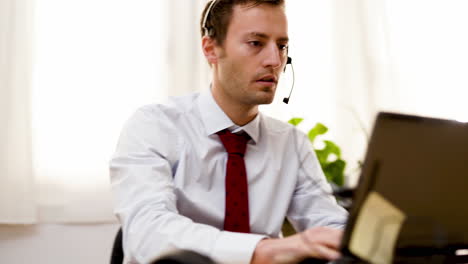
[(412, 198)]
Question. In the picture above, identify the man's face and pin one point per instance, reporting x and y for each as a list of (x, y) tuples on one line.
[(253, 54)]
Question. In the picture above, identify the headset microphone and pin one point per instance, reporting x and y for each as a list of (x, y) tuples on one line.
[(286, 99)]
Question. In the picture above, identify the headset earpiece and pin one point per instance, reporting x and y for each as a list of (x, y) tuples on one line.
[(289, 61)]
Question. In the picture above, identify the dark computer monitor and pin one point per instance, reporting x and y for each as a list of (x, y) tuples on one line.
[(420, 165)]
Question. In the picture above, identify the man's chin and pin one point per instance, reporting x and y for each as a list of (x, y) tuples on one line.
[(264, 97)]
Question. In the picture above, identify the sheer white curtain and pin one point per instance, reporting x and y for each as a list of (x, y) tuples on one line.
[(429, 47), (16, 179), (399, 56), (187, 68), (97, 61), (364, 74)]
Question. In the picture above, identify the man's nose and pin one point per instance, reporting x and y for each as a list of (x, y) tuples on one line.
[(273, 57)]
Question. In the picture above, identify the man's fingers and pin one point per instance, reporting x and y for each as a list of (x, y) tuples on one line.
[(323, 235), (332, 238), (322, 242), (325, 252)]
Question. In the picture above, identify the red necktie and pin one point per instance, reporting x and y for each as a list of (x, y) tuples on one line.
[(236, 216)]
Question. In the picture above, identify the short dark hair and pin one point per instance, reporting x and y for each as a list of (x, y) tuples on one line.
[(220, 15)]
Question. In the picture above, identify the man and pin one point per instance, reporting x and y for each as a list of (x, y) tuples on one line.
[(179, 186)]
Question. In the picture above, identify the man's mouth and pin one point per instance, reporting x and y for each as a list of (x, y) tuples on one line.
[(268, 79)]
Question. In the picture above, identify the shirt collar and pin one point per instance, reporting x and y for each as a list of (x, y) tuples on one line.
[(214, 119)]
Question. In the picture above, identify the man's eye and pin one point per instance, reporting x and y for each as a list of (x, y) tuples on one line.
[(255, 43), (283, 47)]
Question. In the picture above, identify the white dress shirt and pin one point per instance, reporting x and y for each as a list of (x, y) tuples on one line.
[(168, 176)]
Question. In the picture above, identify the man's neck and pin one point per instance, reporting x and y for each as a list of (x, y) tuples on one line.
[(240, 114)]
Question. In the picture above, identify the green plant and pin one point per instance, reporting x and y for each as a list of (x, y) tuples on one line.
[(329, 156)]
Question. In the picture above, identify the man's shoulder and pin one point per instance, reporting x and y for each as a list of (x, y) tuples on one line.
[(278, 130), (174, 106), (163, 118), (277, 126)]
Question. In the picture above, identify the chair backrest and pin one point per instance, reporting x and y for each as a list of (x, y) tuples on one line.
[(117, 249), (184, 257)]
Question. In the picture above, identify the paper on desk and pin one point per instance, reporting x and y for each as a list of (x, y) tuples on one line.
[(376, 230)]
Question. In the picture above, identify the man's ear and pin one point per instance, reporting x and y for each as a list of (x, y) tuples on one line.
[(209, 49)]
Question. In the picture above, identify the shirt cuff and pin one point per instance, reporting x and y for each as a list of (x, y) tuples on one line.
[(235, 248)]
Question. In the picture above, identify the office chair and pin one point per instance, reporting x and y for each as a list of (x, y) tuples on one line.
[(184, 257), (117, 249)]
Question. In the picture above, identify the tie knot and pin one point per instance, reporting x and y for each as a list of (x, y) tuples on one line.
[(233, 143)]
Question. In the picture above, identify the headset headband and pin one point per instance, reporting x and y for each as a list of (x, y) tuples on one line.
[(208, 11)]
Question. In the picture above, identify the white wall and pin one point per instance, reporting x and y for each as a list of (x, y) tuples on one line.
[(54, 244)]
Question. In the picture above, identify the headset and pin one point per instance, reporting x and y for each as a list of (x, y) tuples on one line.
[(209, 32)]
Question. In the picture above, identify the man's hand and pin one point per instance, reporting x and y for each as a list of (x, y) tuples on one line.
[(318, 242)]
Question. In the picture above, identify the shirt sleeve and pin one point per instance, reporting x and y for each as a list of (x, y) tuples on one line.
[(145, 201), (313, 203)]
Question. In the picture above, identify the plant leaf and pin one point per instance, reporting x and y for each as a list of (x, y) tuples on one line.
[(322, 157), (323, 154), (332, 148), (334, 171), (319, 129), (295, 121)]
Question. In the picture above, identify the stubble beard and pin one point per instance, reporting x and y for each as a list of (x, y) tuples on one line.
[(240, 88), (244, 92)]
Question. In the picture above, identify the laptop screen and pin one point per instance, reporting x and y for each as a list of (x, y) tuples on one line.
[(419, 166)]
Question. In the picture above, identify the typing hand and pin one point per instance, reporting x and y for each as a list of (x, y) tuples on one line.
[(317, 242)]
